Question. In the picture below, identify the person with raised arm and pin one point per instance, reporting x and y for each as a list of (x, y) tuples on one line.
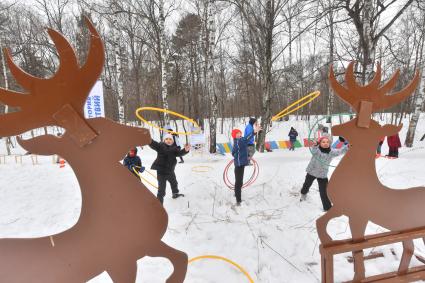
[(240, 153), (165, 165)]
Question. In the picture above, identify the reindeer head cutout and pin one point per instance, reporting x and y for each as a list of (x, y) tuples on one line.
[(353, 94), (45, 97), (365, 100), (121, 221)]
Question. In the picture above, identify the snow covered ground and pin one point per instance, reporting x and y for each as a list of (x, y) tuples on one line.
[(272, 235)]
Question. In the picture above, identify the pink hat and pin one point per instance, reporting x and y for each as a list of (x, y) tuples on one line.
[(319, 140)]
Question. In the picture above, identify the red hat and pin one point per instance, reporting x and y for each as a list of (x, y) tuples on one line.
[(235, 132)]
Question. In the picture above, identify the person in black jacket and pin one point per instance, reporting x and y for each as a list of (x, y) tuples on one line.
[(176, 140), (133, 163), (165, 163)]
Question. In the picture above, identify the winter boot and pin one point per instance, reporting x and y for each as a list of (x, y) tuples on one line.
[(178, 195)]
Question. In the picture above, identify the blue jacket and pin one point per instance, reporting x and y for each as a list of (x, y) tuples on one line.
[(249, 132), (240, 150), (133, 163)]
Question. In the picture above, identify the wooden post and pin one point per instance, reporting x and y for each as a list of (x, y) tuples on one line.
[(18, 159)]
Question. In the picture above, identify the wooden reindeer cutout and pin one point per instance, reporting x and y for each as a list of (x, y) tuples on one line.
[(121, 221), (354, 187)]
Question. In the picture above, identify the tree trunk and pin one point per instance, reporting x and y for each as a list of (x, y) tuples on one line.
[(212, 95), (163, 61), (118, 74), (410, 136), (330, 104), (369, 45), (267, 77), (419, 99)]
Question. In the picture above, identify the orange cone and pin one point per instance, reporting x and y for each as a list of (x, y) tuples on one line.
[(62, 163)]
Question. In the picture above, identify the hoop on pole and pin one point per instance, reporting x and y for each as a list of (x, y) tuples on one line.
[(166, 111), (293, 107), (240, 268), (251, 180)]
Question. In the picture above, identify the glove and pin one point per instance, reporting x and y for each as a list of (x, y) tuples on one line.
[(142, 169)]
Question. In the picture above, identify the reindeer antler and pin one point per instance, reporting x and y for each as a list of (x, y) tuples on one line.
[(70, 85), (353, 94)]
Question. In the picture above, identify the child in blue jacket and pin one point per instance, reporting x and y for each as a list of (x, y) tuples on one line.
[(249, 132), (241, 158), (133, 163)]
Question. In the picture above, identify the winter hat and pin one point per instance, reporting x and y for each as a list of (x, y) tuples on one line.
[(235, 132), (252, 120), (322, 138), (167, 136)]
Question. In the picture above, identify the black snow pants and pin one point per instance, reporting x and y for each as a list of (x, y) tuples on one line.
[(162, 184), (239, 171), (323, 183)]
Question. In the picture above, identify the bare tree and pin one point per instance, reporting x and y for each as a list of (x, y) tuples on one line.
[(420, 96), (366, 16)]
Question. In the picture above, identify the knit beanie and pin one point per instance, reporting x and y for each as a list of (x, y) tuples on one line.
[(235, 132), (167, 136), (324, 137)]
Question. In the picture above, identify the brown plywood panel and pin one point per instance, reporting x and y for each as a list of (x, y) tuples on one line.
[(354, 187), (121, 221), (76, 126), (365, 113)]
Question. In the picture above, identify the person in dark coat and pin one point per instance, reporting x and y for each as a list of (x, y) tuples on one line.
[(165, 164), (176, 141), (394, 144), (249, 131), (133, 163), (240, 153), (293, 134)]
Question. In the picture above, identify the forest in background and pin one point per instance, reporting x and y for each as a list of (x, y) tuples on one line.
[(230, 58)]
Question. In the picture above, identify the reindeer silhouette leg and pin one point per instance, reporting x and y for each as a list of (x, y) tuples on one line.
[(322, 223), (178, 259), (358, 227), (124, 273), (408, 249)]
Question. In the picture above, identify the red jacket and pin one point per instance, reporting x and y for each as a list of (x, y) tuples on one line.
[(394, 141)]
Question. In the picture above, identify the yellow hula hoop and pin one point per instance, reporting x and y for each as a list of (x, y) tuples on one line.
[(143, 179), (147, 171), (240, 268), (288, 110), (168, 112), (202, 168)]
